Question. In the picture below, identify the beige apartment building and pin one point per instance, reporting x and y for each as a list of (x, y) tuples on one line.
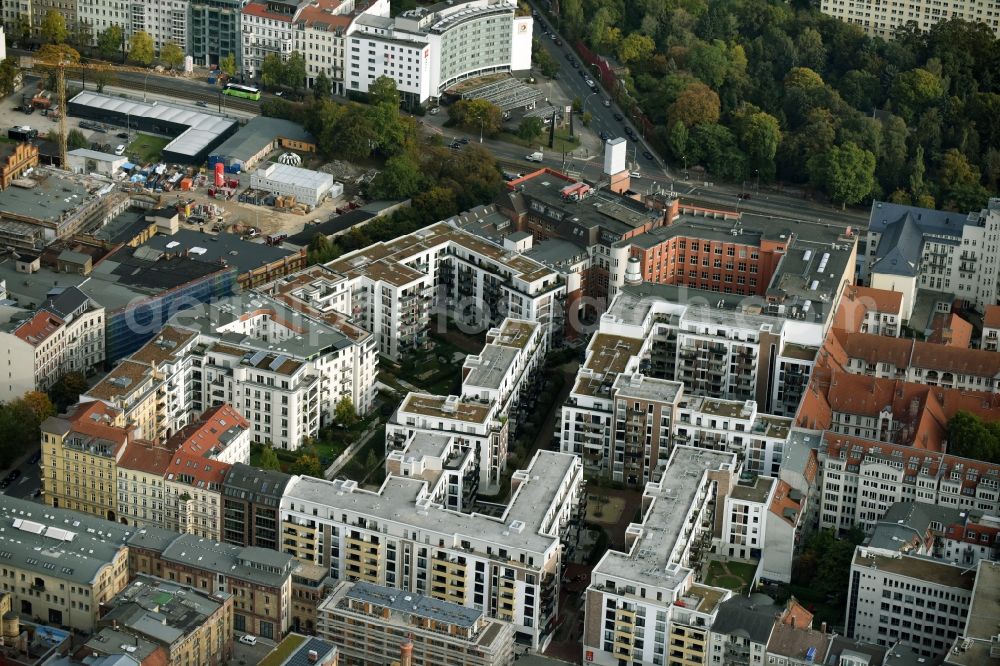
[(882, 19), (370, 623)]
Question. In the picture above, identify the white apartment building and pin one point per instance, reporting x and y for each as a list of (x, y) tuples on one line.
[(883, 19), (744, 517), (396, 286), (166, 21), (630, 404), (313, 28), (497, 386), (916, 601), (450, 468), (862, 478), (141, 470), (910, 248), (428, 49), (480, 426), (65, 335), (507, 566), (941, 532), (643, 605)]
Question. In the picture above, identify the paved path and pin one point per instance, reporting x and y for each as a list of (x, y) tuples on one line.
[(350, 452)]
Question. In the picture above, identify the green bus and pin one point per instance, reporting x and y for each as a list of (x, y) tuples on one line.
[(246, 92)]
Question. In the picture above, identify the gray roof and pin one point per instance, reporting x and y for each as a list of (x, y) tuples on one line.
[(750, 617), (66, 302), (257, 134), (152, 538), (109, 641), (300, 656), (843, 645), (797, 449), (937, 222), (255, 565), (202, 128), (899, 249), (158, 610), (557, 253), (48, 200), (494, 362), (215, 248), (257, 486), (97, 155), (54, 542), (411, 603)]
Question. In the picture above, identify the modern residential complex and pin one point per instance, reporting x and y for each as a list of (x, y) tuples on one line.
[(644, 604), (370, 623), (508, 567)]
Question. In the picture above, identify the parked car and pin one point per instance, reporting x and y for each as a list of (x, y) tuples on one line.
[(122, 135), (248, 639), (120, 150), (635, 174), (648, 155), (619, 117), (201, 103), (35, 457)]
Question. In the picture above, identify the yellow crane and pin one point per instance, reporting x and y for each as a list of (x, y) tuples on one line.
[(59, 57)]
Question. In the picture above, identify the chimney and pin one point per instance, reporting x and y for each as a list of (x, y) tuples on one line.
[(406, 653), (313, 656), (822, 628)]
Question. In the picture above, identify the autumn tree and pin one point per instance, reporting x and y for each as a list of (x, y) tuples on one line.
[(697, 104), (141, 49), (228, 65), (383, 90), (109, 41), (344, 412), (53, 29), (636, 48), (476, 114), (172, 56)]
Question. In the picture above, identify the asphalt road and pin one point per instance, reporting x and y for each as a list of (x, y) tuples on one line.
[(27, 484)]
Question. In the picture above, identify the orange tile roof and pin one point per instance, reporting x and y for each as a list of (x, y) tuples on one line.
[(950, 329), (196, 471), (96, 420), (879, 300), (878, 348), (261, 9), (782, 503), (201, 438), (977, 362), (143, 456), (796, 615), (36, 330), (991, 317)]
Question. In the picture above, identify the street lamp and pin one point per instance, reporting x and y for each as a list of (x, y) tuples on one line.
[(144, 79), (481, 121), (756, 188)]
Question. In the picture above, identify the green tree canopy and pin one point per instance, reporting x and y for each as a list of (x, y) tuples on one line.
[(228, 65), (322, 87), (172, 56), (109, 41), (141, 51), (294, 71), (696, 105), (307, 464), (969, 436), (53, 28), (269, 459), (846, 173), (476, 114), (383, 90), (344, 412), (399, 179), (530, 127)]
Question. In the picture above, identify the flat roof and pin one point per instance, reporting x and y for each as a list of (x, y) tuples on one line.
[(641, 387), (409, 603), (396, 501), (293, 175), (984, 611), (488, 368), (258, 133), (160, 610), (256, 565), (215, 248), (757, 492), (53, 195), (670, 500), (202, 128), (916, 567), (97, 155), (446, 407)]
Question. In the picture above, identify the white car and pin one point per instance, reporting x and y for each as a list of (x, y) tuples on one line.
[(248, 639), (120, 150), (635, 174)]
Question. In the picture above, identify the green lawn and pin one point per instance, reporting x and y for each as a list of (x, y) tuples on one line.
[(736, 576), (563, 142), (147, 148)]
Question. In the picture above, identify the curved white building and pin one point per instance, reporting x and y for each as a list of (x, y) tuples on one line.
[(429, 49)]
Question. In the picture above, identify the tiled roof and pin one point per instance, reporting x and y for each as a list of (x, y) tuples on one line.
[(905, 353), (143, 456), (991, 317), (196, 471), (787, 509), (950, 329), (36, 330), (211, 432), (880, 300), (878, 349)]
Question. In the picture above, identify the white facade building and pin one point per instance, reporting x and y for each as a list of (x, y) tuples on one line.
[(508, 566), (916, 601), (428, 50), (165, 21), (307, 186), (65, 335), (744, 518), (882, 20)]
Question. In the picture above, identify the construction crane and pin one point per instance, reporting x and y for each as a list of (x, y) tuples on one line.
[(59, 56)]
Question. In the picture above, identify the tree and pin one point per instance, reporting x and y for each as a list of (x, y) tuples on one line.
[(399, 179), (40, 405), (67, 389), (803, 78), (969, 436), (228, 65), (543, 60), (955, 171), (322, 87), (22, 30), (109, 41), (9, 76), (172, 56), (383, 91), (846, 173), (307, 465), (914, 90), (269, 459), (710, 62), (529, 128), (344, 412), (586, 118), (437, 203), (295, 71), (677, 140), (53, 29), (760, 136), (272, 70), (76, 139), (83, 36), (103, 77), (917, 170), (476, 114), (697, 104), (636, 48), (141, 49)]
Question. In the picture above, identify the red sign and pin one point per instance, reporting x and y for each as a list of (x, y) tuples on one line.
[(590, 655)]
